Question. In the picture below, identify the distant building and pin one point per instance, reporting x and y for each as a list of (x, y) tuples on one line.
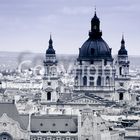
[(84, 126), (133, 132)]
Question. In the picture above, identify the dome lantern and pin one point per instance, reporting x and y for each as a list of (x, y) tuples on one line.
[(50, 49), (95, 47), (122, 50)]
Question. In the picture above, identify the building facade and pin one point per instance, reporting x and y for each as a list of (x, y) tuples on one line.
[(86, 125), (122, 77), (50, 92), (95, 72)]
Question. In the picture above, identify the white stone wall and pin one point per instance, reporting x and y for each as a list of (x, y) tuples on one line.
[(8, 125)]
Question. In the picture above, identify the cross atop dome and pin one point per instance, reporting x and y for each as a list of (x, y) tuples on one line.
[(95, 15)]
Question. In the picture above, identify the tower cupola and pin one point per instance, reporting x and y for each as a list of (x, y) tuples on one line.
[(122, 50), (50, 49), (95, 27)]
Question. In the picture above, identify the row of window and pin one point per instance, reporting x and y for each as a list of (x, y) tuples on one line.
[(41, 124), (92, 71), (92, 62), (85, 101), (98, 82), (54, 138), (72, 132)]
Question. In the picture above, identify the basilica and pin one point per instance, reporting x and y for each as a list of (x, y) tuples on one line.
[(101, 86), (97, 75)]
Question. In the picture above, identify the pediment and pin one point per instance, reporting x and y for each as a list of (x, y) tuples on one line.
[(48, 89), (121, 90), (84, 99)]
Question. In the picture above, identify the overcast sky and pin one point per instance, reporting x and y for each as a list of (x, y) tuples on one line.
[(26, 24)]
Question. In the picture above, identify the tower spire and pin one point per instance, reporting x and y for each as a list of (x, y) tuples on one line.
[(50, 36), (95, 10), (122, 41), (50, 41), (122, 50), (50, 49)]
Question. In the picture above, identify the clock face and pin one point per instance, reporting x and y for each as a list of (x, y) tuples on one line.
[(53, 69), (95, 27)]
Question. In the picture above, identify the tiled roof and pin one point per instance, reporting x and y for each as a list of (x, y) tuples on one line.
[(11, 111), (54, 123)]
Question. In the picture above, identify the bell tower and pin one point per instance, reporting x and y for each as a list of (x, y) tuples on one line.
[(122, 78), (51, 78), (122, 61), (50, 62)]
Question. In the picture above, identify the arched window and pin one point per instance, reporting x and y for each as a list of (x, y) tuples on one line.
[(84, 81), (99, 81), (92, 70), (121, 96), (120, 70), (76, 80), (107, 80), (105, 62), (91, 82), (49, 96)]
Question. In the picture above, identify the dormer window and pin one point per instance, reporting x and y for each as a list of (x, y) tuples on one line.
[(66, 124), (92, 51), (54, 124), (41, 124)]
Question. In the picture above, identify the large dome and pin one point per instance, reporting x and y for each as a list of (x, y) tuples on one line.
[(95, 47)]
